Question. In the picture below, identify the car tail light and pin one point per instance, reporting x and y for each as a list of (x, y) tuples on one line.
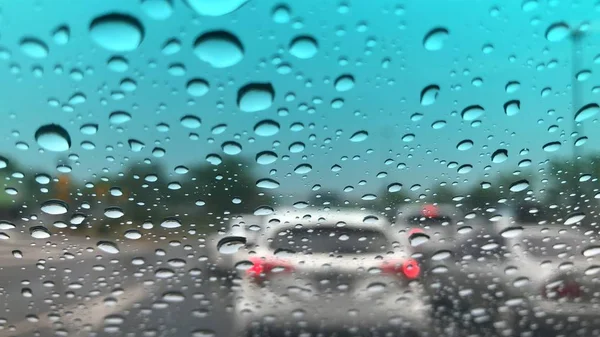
[(559, 290), (409, 268), (430, 211), (264, 267)]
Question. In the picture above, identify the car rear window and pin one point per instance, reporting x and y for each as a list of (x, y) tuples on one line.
[(331, 240)]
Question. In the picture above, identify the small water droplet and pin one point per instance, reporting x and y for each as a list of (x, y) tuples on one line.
[(512, 108), (108, 247), (281, 14), (557, 32), (135, 145), (267, 183), (17, 254), (117, 32), (266, 128), (119, 117), (303, 47), (197, 87), (113, 212), (512, 87), (157, 9), (264, 210), (118, 64), (220, 49), (53, 137), (231, 148), (588, 111), (429, 94), (170, 223), (441, 255), (255, 97), (303, 169), (464, 145), (190, 122), (574, 218), (435, 39), (551, 146), (266, 157), (34, 48), (438, 124), (417, 239), (132, 234), (164, 273), (512, 232), (231, 244), (39, 232), (61, 35)]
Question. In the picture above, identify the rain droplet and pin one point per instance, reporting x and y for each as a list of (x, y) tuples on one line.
[(266, 157), (512, 108), (588, 111), (170, 223), (190, 122), (113, 212), (529, 5), (297, 147), (512, 232), (157, 9), (264, 210), (215, 7), (574, 218), (220, 49), (61, 35), (438, 124), (583, 75), (359, 136), (591, 251), (213, 159), (266, 128), (499, 156), (39, 232), (281, 14), (344, 83), (219, 129), (512, 87), (464, 145), (197, 87), (117, 32), (255, 97), (396, 187), (231, 148), (171, 47), (231, 244), (557, 31), (551, 147), (135, 145), (118, 64), (519, 186), (34, 47), (267, 184), (164, 273), (417, 239), (133, 234), (441, 255), (303, 169), (17, 254), (464, 169), (53, 137), (472, 112), (5, 225), (429, 94), (119, 117), (303, 47), (108, 247), (54, 207), (435, 38)]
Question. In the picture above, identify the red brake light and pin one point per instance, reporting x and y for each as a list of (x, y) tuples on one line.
[(430, 211), (409, 268), (262, 267)]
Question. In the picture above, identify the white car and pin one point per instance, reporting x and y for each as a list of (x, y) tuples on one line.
[(330, 272)]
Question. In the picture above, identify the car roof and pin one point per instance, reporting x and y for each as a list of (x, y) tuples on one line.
[(446, 210)]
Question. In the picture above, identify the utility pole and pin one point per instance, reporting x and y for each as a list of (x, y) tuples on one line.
[(577, 36)]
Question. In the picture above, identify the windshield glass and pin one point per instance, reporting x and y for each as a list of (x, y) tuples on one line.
[(331, 240), (434, 163)]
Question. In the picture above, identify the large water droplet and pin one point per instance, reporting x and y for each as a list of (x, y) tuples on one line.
[(255, 97), (267, 184), (429, 94), (441, 255), (157, 9), (54, 207), (118, 64), (551, 146), (5, 225), (512, 232), (135, 145), (417, 239), (266, 157), (519, 186), (61, 35), (557, 31), (39, 232), (113, 212), (132, 234), (588, 111), (266, 128), (53, 137), (215, 7), (220, 49), (117, 32), (190, 122), (472, 112), (231, 148), (574, 218), (435, 38), (231, 244), (359, 136), (34, 48), (119, 117), (108, 247), (499, 156), (303, 169), (438, 124), (464, 145), (197, 87), (591, 251), (281, 14), (512, 108), (170, 223), (512, 87), (303, 47), (344, 83)]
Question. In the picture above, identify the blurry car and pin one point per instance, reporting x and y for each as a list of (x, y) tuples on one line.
[(330, 272)]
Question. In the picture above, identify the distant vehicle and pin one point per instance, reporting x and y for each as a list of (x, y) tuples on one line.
[(330, 272)]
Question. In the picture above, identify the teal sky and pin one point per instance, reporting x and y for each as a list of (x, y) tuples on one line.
[(379, 43)]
